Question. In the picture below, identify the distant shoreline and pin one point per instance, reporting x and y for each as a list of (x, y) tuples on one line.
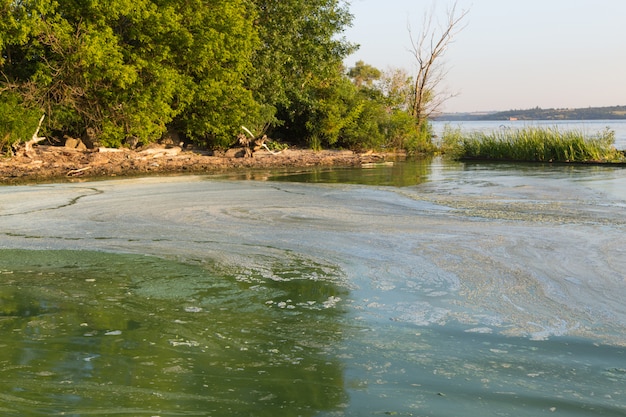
[(588, 113)]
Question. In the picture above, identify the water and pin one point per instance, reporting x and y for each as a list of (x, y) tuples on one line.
[(451, 289), (162, 338), (589, 127)]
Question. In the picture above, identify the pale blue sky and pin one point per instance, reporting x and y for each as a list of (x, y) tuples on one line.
[(513, 54)]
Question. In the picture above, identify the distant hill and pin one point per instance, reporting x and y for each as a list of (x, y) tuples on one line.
[(589, 113)]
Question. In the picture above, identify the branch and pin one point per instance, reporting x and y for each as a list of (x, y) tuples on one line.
[(248, 132), (270, 151), (35, 139), (76, 172)]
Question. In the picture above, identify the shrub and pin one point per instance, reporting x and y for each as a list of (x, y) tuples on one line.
[(419, 140), (17, 121)]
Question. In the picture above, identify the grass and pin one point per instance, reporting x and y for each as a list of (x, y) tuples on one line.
[(533, 144)]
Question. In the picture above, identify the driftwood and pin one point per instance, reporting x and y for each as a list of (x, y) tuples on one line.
[(28, 146), (110, 150), (245, 142), (160, 152), (269, 150), (76, 172), (245, 129), (252, 144)]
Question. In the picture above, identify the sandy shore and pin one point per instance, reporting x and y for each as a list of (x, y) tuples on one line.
[(46, 163)]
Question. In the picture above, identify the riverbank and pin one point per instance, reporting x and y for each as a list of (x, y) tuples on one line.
[(45, 163)]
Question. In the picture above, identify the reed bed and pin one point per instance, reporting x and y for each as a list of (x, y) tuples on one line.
[(533, 144)]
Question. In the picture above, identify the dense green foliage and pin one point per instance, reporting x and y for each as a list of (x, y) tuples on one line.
[(17, 122), (128, 71), (371, 112), (301, 51), (127, 68), (533, 144)]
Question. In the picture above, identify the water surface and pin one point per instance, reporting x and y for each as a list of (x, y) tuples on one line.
[(436, 289)]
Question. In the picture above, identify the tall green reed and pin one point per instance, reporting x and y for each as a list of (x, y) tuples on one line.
[(533, 144)]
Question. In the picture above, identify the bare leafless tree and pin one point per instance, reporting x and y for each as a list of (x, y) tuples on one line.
[(428, 48)]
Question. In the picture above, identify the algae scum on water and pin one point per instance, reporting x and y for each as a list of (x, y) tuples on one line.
[(166, 338), (479, 289), (80, 328)]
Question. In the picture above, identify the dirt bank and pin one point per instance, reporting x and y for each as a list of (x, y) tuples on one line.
[(45, 163)]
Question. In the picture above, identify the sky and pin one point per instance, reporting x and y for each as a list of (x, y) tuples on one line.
[(511, 54)]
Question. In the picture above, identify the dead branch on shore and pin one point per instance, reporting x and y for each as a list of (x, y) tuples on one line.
[(269, 150), (28, 146), (76, 172), (247, 142), (245, 129)]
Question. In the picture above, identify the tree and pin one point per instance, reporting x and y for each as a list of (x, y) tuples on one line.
[(217, 59), (86, 69), (396, 86), (428, 48), (364, 74), (383, 120), (129, 68), (300, 57)]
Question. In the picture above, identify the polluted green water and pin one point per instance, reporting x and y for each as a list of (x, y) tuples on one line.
[(459, 290), (90, 333), (111, 334)]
